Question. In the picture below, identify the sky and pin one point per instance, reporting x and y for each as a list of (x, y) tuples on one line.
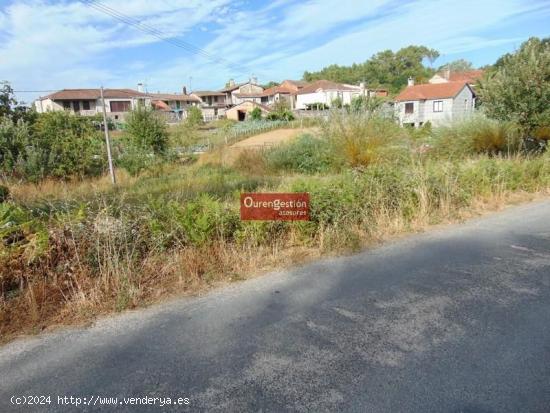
[(51, 45)]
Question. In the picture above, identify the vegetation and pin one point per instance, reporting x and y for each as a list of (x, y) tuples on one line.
[(71, 249), (281, 111), (459, 65), (57, 145), (384, 69), (519, 89), (194, 116), (256, 114), (148, 131)]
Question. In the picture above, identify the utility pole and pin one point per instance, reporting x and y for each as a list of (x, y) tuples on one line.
[(107, 140)]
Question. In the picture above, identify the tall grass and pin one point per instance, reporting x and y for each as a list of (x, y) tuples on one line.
[(71, 252)]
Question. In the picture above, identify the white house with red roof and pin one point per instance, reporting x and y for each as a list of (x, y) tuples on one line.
[(325, 92), (87, 102), (437, 103)]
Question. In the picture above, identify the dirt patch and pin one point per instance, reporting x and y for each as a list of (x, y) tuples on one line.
[(263, 141)]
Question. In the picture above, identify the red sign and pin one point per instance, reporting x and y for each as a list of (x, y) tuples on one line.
[(275, 207)]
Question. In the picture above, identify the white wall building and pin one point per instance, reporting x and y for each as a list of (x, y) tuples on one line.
[(437, 103), (325, 92), (87, 102)]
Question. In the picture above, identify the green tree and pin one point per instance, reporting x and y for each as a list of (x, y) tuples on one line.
[(62, 145), (256, 114), (460, 65), (11, 108), (194, 116), (519, 89), (148, 130), (14, 137), (384, 69)]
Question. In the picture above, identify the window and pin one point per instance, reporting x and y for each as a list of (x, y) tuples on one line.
[(76, 105), (66, 105), (409, 107), (438, 106), (120, 106), (86, 105)]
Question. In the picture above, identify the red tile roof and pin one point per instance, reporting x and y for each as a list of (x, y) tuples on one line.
[(160, 105), (93, 94), (431, 91), (324, 85), (470, 76)]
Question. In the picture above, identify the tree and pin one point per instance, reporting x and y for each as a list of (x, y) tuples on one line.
[(460, 65), (11, 108), (194, 116), (256, 114), (519, 88), (147, 129), (384, 69), (269, 84)]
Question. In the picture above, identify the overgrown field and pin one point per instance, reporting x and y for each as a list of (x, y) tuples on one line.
[(72, 250)]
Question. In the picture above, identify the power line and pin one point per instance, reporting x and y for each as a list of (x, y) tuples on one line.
[(161, 35)]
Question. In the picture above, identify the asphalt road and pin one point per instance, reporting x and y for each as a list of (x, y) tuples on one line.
[(455, 320)]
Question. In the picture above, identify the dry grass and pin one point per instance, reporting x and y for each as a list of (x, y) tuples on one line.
[(76, 297)]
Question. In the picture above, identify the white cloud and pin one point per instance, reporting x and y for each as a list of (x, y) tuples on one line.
[(56, 44)]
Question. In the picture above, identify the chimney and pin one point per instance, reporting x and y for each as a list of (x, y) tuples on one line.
[(140, 87), (184, 90), (447, 73), (231, 82), (254, 80), (410, 81)]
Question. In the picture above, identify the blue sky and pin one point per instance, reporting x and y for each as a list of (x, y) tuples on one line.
[(60, 44)]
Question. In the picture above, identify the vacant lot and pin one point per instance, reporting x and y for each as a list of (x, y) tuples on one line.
[(74, 250)]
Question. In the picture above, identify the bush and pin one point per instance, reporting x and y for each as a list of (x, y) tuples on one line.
[(147, 129), (62, 145), (251, 162), (519, 89), (256, 114), (306, 154), (363, 139), (4, 193), (194, 116), (14, 138), (476, 135)]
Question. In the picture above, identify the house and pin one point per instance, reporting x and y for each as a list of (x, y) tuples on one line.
[(437, 103), (241, 111), (326, 92), (173, 105), (469, 76), (87, 102), (212, 103), (238, 93)]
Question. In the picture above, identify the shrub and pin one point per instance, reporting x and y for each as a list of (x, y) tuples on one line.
[(305, 154), (147, 129), (14, 138), (251, 161), (256, 114), (194, 116), (519, 89), (363, 139), (476, 135), (62, 145), (4, 193)]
